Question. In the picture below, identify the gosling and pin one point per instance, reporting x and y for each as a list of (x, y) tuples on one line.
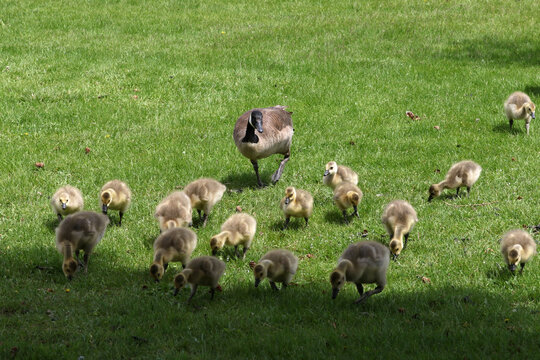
[(336, 174), (399, 218), (297, 203), (79, 231), (67, 200), (204, 270), (204, 194), (365, 262), (347, 195), (115, 195), (278, 266), (517, 247), (519, 106), (239, 229), (174, 211), (175, 244), (461, 174)]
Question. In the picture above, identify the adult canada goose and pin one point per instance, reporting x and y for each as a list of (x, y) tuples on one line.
[(519, 106), (461, 174), (259, 133), (66, 200)]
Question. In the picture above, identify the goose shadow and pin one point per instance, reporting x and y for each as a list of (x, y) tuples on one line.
[(241, 181)]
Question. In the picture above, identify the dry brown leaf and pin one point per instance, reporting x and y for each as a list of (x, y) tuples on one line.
[(40, 165)]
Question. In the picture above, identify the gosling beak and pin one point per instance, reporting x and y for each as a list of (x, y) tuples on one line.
[(190, 224), (512, 267), (326, 172), (257, 282), (430, 198), (394, 257), (287, 201), (104, 209), (176, 291), (214, 252), (533, 116), (334, 293), (64, 206), (70, 277)]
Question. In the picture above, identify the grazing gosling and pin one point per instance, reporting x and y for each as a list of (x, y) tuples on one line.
[(461, 174), (204, 270), (115, 195), (278, 266), (174, 211), (347, 195), (204, 194), (336, 174), (175, 244), (79, 231), (362, 263), (275, 130), (239, 229), (67, 200), (399, 218), (517, 247), (519, 106), (297, 203)]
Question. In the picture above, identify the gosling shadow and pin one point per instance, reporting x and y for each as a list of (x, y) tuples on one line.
[(51, 224), (295, 224), (504, 128), (532, 90), (335, 217)]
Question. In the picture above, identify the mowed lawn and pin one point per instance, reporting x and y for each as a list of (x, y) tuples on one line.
[(153, 90)]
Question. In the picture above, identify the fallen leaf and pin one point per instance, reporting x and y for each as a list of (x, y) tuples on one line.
[(87, 149), (438, 171), (309, 256), (136, 90), (144, 287), (352, 143), (334, 325), (219, 288), (401, 310), (40, 165), (437, 127), (50, 290), (252, 264), (14, 350), (513, 159), (477, 120), (519, 198), (238, 209), (135, 97), (412, 115), (426, 280)]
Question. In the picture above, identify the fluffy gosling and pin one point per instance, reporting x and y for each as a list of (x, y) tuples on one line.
[(297, 203), (517, 247), (336, 174), (175, 244), (79, 231), (399, 218), (67, 200), (347, 195), (204, 194), (115, 195), (461, 174), (239, 229), (174, 211), (204, 270), (519, 106), (365, 262), (278, 266)]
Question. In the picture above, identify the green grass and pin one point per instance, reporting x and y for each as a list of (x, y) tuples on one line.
[(69, 74)]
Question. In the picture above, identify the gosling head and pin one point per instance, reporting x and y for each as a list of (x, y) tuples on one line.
[(290, 195), (256, 120), (530, 108), (106, 198), (63, 199), (180, 281), (434, 191), (69, 267), (260, 272), (395, 248), (337, 279), (217, 242), (353, 197), (514, 257), (331, 168), (156, 270)]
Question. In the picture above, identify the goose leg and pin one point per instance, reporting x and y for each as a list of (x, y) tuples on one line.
[(85, 257), (457, 191), (277, 175), (468, 190), (256, 168), (199, 212), (307, 220)]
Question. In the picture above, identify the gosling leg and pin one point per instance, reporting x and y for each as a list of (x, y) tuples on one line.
[(193, 291), (355, 211), (121, 215), (522, 266), (59, 217), (406, 239), (86, 256), (345, 217), (204, 219), (360, 289), (273, 285), (511, 121), (377, 290), (287, 219)]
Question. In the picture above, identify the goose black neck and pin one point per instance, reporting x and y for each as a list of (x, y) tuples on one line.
[(250, 136)]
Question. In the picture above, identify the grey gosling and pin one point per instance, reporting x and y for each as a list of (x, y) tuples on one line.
[(399, 218), (66, 200), (79, 231), (461, 174), (275, 131), (519, 106), (517, 247), (175, 244), (365, 262), (278, 266), (204, 270), (174, 211)]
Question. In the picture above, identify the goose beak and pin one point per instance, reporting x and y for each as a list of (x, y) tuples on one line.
[(257, 282), (259, 127), (104, 209), (326, 172), (334, 293), (287, 201)]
